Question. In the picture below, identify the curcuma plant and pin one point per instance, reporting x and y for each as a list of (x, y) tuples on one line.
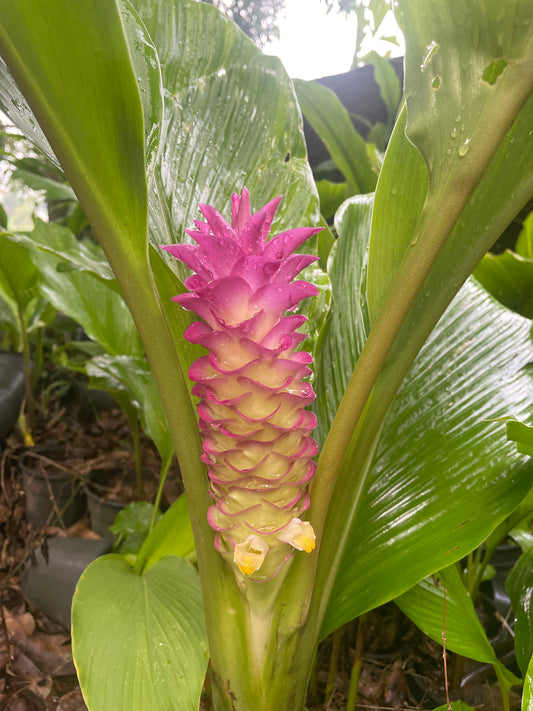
[(155, 106)]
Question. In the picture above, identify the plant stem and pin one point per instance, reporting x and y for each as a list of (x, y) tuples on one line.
[(165, 466), (136, 438), (356, 668), (333, 663), (29, 399)]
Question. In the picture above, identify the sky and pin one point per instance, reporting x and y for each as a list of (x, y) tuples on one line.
[(313, 44)]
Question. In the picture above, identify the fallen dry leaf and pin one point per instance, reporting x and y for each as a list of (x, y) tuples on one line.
[(23, 667), (73, 701), (25, 703), (41, 687), (19, 626), (50, 653)]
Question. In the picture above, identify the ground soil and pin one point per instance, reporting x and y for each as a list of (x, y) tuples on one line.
[(398, 667)]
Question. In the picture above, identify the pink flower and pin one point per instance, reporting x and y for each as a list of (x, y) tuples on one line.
[(257, 442)]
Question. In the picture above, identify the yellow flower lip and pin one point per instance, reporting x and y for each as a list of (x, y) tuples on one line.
[(250, 554), (299, 534)]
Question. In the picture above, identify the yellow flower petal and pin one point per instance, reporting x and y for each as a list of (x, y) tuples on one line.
[(250, 554), (299, 534)]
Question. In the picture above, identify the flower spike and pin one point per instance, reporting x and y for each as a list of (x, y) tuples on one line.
[(252, 391)]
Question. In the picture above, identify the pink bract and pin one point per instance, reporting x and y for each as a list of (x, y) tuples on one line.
[(256, 432)]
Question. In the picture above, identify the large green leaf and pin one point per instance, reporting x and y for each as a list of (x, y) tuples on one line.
[(343, 337), (474, 55), (442, 608), (474, 137), (444, 476), (331, 121), (139, 641), (231, 119), (69, 253), (71, 279), (400, 194)]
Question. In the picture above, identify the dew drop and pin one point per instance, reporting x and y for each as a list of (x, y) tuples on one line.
[(454, 132), (270, 268), (457, 118), (464, 148)]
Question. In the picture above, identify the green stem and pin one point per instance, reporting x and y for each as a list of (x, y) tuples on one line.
[(136, 439), (505, 687), (356, 668), (30, 401), (268, 663), (165, 466), (333, 663)]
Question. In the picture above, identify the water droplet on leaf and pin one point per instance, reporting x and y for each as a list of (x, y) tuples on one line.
[(464, 148)]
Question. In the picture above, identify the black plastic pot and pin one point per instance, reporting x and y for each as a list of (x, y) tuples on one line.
[(102, 510), (11, 390), (49, 579), (54, 496)]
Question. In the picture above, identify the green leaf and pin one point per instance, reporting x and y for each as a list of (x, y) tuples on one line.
[(443, 477), (331, 195), (346, 329), (441, 606), (80, 292), (53, 189), (134, 518), (459, 46), (386, 78), (139, 641), (155, 423), (519, 584), (455, 706), (60, 243), (131, 527), (18, 276), (522, 434), (460, 219), (328, 117), (524, 243), (231, 120), (171, 536), (400, 194), (509, 278), (112, 190), (125, 377), (527, 696)]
